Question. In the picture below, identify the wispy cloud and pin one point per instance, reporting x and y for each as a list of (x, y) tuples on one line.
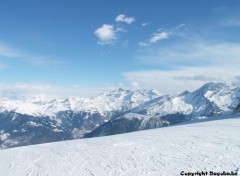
[(7, 52), (104, 53), (144, 43), (145, 24), (180, 26), (196, 77), (193, 56), (43, 60), (188, 63), (229, 17), (125, 19), (52, 91), (234, 21), (159, 36), (194, 53)]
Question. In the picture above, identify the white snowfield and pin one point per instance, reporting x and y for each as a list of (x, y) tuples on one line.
[(207, 146)]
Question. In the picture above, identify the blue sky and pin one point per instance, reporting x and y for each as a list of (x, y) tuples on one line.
[(84, 47)]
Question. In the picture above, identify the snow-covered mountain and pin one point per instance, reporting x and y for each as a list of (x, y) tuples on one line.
[(212, 99), (208, 146), (118, 100), (31, 120), (38, 119)]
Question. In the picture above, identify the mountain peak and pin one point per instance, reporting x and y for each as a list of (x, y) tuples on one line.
[(183, 93), (214, 86), (210, 88), (121, 89)]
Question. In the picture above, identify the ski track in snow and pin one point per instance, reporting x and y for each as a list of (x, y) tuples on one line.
[(207, 146)]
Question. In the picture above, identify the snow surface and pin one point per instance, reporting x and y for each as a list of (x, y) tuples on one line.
[(207, 146)]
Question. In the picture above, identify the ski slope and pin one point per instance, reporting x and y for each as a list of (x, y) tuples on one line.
[(207, 146)]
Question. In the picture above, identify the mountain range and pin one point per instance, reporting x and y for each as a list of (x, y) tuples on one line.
[(27, 120)]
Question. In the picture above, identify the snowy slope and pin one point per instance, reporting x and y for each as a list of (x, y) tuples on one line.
[(208, 146)]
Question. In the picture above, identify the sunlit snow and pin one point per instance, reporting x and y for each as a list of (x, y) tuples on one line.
[(207, 146)]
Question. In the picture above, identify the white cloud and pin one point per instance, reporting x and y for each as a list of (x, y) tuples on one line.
[(159, 36), (106, 34), (123, 18), (144, 24)]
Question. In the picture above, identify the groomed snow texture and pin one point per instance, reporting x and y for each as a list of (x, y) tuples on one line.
[(207, 146)]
